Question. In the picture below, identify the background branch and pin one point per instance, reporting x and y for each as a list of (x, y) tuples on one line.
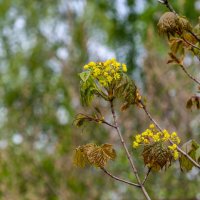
[(188, 74)]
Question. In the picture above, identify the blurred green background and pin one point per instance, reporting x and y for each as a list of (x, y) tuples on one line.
[(43, 46)]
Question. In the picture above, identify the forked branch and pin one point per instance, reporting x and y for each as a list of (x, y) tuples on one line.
[(127, 152), (119, 179)]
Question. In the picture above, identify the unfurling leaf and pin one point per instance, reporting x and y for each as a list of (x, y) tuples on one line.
[(156, 156), (126, 89), (100, 155), (175, 59), (87, 89), (192, 149), (84, 75), (80, 119), (189, 38), (184, 23), (80, 159), (177, 50), (94, 155), (109, 151), (194, 101), (88, 148)]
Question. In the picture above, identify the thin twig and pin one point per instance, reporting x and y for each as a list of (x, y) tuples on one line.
[(194, 35), (119, 179), (147, 174), (159, 128), (90, 118), (194, 46), (127, 152), (198, 57), (189, 75), (168, 5)]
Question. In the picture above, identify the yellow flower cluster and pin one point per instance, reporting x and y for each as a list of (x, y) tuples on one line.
[(106, 72), (152, 135)]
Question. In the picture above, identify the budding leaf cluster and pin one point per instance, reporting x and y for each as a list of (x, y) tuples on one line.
[(157, 152), (172, 24)]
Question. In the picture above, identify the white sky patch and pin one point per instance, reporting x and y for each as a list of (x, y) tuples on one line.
[(62, 116), (41, 142), (3, 115), (99, 51), (188, 61), (62, 53), (3, 144), (139, 6), (19, 23), (73, 5), (121, 8), (17, 138), (197, 5), (55, 66)]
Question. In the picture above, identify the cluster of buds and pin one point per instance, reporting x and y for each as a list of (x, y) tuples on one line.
[(106, 72), (152, 135)]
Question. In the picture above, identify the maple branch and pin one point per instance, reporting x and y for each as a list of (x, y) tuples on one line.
[(119, 179), (127, 152)]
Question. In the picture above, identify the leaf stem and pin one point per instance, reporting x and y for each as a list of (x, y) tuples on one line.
[(147, 174), (188, 74), (119, 179), (194, 46), (127, 152)]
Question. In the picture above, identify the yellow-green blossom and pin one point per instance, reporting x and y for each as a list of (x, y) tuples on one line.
[(152, 135), (106, 72), (135, 144), (124, 68)]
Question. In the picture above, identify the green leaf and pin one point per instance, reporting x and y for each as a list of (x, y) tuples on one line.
[(79, 120), (197, 155), (87, 89), (84, 76), (190, 148)]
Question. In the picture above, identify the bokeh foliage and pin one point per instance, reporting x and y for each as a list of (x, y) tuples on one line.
[(44, 44)]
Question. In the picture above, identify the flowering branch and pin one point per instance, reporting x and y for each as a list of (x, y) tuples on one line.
[(127, 152), (178, 148), (119, 179)]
